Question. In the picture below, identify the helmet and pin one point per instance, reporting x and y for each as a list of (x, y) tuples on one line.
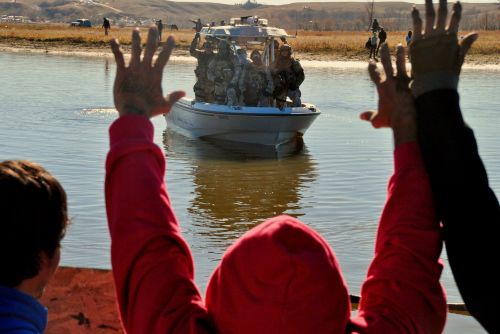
[(286, 47)]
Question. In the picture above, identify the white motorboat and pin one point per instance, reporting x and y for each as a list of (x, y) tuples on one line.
[(256, 125)]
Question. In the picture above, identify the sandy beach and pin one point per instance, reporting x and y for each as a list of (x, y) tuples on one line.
[(81, 301)]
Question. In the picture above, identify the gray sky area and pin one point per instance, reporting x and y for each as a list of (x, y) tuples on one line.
[(281, 2)]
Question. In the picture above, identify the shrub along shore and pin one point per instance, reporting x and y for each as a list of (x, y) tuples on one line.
[(308, 45)]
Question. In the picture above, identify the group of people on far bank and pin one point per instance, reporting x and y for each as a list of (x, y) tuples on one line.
[(378, 37), (281, 276), (229, 76)]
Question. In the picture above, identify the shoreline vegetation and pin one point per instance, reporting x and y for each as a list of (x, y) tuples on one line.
[(308, 45)]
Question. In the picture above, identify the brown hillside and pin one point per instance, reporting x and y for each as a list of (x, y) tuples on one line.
[(308, 16)]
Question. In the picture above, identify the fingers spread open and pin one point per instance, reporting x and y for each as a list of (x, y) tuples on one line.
[(115, 47), (442, 14), (385, 58), (430, 16), (401, 61), (455, 18), (165, 53), (175, 96), (374, 73), (151, 46), (417, 24), (135, 58)]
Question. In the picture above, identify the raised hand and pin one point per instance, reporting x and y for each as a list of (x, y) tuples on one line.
[(436, 50), (137, 89), (395, 105)]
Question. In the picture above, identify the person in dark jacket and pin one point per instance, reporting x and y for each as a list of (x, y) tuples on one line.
[(466, 205), (382, 36), (375, 26), (106, 25), (159, 25), (288, 75), (33, 221), (197, 25)]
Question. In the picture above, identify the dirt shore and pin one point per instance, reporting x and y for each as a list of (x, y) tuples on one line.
[(81, 301), (66, 49)]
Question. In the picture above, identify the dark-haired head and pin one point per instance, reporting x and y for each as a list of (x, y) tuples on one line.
[(33, 220)]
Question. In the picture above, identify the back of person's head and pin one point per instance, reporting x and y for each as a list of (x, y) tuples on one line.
[(33, 219), (280, 277)]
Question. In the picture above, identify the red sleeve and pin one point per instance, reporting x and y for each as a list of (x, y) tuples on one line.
[(152, 264), (402, 293)]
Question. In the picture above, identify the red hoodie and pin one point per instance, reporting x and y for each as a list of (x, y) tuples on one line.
[(281, 276)]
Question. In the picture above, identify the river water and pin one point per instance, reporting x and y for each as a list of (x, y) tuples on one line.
[(56, 110)]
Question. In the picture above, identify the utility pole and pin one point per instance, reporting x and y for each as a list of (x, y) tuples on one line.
[(371, 16)]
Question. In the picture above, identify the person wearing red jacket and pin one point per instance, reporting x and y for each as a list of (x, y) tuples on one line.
[(281, 276)]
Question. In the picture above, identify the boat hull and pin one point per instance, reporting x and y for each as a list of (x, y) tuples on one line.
[(256, 125)]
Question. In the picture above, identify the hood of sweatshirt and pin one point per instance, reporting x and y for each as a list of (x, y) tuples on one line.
[(280, 277)]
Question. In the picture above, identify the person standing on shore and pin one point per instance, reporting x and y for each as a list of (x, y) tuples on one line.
[(33, 221), (382, 36), (159, 25), (106, 25), (197, 25), (408, 38)]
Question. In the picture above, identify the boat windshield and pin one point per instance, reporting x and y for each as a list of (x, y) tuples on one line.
[(249, 32)]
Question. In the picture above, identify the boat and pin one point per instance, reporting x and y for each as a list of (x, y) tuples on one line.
[(270, 126)]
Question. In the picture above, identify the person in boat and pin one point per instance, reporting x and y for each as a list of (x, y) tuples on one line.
[(223, 72), (288, 76), (281, 276), (34, 217), (203, 88), (256, 83), (276, 48)]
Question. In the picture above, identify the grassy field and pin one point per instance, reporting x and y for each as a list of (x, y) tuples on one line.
[(332, 44)]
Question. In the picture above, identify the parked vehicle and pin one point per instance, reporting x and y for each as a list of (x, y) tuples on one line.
[(81, 23)]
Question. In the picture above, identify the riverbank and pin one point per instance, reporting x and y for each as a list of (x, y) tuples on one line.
[(313, 59), (82, 300), (328, 46)]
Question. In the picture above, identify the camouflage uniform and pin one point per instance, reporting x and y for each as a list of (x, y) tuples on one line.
[(288, 75), (223, 72), (203, 88), (256, 84)]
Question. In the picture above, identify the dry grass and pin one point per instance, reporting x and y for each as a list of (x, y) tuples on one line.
[(343, 44), (61, 34), (352, 43)]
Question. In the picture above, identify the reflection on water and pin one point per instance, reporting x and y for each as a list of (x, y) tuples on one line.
[(238, 185)]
